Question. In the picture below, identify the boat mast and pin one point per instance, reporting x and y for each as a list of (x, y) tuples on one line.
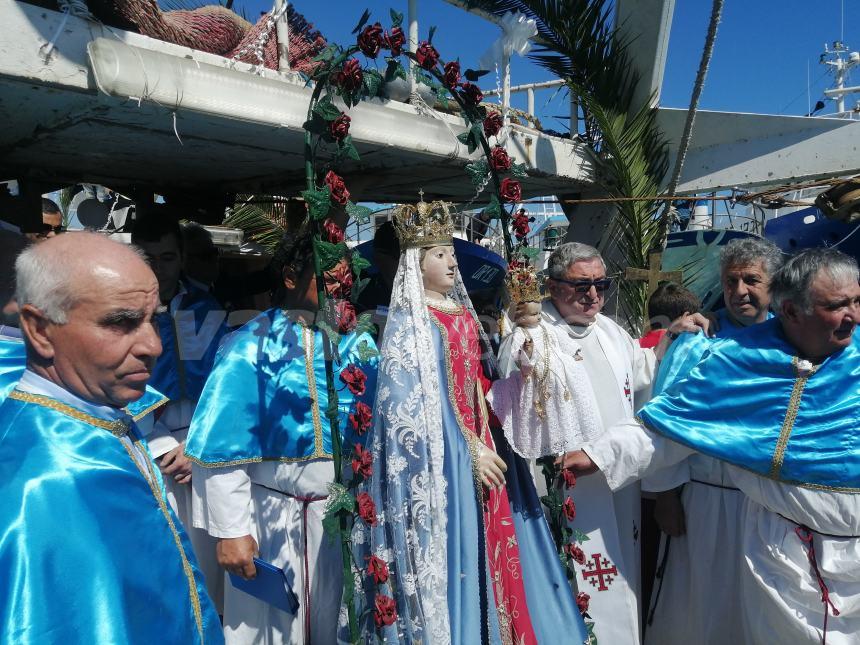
[(841, 67)]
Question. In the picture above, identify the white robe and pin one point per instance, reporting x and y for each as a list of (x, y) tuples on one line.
[(617, 367), (779, 595), (684, 607), (242, 500)]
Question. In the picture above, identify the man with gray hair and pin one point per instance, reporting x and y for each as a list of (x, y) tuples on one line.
[(84, 513), (779, 402), (616, 367), (697, 506)]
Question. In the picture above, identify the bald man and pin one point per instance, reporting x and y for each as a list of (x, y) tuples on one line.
[(84, 514)]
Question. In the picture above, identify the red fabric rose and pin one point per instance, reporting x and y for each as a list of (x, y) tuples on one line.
[(362, 461), (395, 41), (346, 318), (521, 228), (511, 191), (569, 509), (339, 193), (361, 418), (493, 122), (582, 600), (371, 40), (351, 76), (452, 74), (575, 552), (354, 379), (569, 477), (499, 159), (332, 232), (385, 612), (377, 568), (338, 283), (472, 94), (339, 128), (426, 55), (366, 508)]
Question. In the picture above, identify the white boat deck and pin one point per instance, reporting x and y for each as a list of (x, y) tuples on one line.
[(121, 109)]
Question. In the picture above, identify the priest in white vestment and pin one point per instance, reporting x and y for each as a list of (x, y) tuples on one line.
[(698, 506), (616, 367), (780, 403)]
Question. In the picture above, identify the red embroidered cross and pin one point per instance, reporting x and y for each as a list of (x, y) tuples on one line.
[(600, 577), (627, 388)]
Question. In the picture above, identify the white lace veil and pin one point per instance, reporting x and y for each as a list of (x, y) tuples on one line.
[(408, 485)]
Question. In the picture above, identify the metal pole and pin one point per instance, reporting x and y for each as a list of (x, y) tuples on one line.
[(506, 89), (282, 30), (530, 93), (413, 40), (574, 115)]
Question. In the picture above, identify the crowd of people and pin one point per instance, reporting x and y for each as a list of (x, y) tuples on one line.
[(149, 450)]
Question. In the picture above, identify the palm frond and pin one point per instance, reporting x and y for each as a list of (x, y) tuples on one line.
[(264, 220), (578, 43)]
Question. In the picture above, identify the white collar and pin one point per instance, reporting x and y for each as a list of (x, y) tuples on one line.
[(550, 313), (32, 383)]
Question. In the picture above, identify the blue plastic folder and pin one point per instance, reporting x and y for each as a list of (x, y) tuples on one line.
[(270, 586)]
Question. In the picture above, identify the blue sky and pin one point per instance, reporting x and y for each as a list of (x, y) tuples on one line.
[(760, 61)]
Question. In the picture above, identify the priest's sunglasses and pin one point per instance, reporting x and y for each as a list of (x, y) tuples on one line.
[(584, 286)]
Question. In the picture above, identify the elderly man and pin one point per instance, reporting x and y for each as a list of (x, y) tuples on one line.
[(617, 367), (779, 402), (699, 508), (84, 515)]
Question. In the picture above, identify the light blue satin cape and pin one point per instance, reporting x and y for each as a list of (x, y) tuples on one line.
[(734, 404), (86, 553), (182, 376), (13, 362), (259, 404)]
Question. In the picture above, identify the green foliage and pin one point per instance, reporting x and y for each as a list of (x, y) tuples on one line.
[(471, 137), (261, 223), (326, 109), (318, 201), (359, 263), (365, 324), (518, 170), (329, 254), (477, 171), (366, 351), (494, 208), (346, 150), (396, 18), (360, 214), (340, 503), (372, 82)]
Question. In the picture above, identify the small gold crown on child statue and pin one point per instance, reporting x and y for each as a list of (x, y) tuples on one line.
[(425, 224), (523, 283)]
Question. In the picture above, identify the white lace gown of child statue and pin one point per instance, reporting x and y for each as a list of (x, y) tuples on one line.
[(545, 403)]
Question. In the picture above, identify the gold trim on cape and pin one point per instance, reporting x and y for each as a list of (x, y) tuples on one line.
[(117, 427), (790, 416)]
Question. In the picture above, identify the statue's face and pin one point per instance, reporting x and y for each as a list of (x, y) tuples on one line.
[(438, 270), (745, 292), (579, 296)]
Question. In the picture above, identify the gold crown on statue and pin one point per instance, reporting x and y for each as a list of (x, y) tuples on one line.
[(422, 225), (523, 283)]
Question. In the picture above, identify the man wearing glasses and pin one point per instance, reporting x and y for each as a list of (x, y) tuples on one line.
[(617, 367)]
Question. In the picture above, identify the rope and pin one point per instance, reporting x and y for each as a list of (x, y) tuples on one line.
[(716, 12), (259, 45), (76, 8)]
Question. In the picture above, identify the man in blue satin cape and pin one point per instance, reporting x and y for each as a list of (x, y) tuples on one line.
[(83, 514), (779, 403), (697, 504), (261, 444)]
